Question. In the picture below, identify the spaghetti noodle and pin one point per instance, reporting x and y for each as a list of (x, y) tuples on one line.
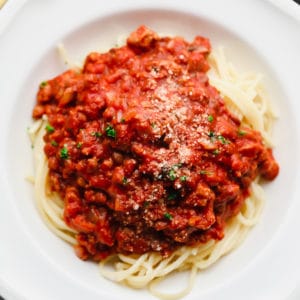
[(244, 96)]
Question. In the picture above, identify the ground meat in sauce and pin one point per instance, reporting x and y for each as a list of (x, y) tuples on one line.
[(143, 150)]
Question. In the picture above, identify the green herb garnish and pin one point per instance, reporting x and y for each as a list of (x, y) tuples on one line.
[(110, 131), (205, 172), (178, 165), (155, 69), (79, 145), (43, 84), (172, 175), (211, 134), (183, 178), (242, 133), (96, 134), (210, 118), (216, 152), (64, 154), (168, 216), (53, 143), (125, 180), (49, 128), (223, 140), (172, 196)]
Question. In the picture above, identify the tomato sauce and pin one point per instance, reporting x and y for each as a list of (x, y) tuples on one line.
[(143, 151)]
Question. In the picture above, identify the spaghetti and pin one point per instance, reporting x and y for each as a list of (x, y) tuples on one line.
[(195, 243)]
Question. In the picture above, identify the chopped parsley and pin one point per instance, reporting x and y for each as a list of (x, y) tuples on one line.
[(183, 178), (178, 165), (242, 133), (122, 120), (216, 152), (223, 140), (153, 124), (64, 154), (172, 196), (155, 69), (49, 128), (211, 134), (125, 180), (79, 145), (146, 203), (172, 174), (96, 134), (54, 144), (205, 172), (210, 118), (168, 216), (220, 137), (110, 131), (43, 84)]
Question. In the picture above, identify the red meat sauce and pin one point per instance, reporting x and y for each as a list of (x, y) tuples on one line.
[(143, 151)]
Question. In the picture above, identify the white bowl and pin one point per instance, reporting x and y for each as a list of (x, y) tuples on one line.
[(36, 264)]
